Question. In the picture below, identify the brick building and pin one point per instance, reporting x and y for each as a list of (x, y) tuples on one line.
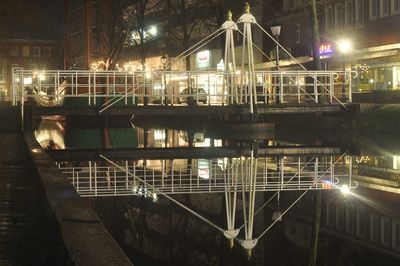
[(371, 26), (33, 54)]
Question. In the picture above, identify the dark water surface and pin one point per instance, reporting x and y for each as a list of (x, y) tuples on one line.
[(358, 228)]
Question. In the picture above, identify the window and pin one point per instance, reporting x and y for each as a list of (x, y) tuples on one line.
[(14, 51), (373, 9), (25, 51), (297, 33), (385, 231), (350, 219), (374, 228), (329, 18), (359, 13), (47, 51), (396, 235), (360, 223), (348, 13), (338, 16), (330, 214), (384, 8), (36, 51), (340, 215), (395, 7), (2, 72)]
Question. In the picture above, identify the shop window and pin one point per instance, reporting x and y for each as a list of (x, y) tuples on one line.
[(25, 51), (360, 223), (374, 228), (340, 215), (383, 8), (14, 51), (2, 73), (359, 13), (395, 7), (385, 231), (36, 51), (373, 9), (330, 214), (396, 235), (350, 219)]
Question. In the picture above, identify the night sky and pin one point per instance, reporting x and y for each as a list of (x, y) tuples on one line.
[(32, 19)]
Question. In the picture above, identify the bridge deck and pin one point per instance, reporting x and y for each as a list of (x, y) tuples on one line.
[(183, 110), (188, 152)]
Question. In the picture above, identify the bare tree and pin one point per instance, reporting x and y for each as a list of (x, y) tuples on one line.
[(186, 24)]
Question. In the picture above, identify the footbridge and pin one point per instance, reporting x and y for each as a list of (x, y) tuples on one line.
[(233, 89)]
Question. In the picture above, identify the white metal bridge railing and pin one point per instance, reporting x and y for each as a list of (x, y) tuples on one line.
[(207, 176), (106, 88)]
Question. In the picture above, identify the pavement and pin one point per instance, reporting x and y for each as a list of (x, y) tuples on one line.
[(29, 232)]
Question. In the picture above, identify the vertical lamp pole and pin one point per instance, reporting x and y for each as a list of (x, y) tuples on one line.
[(164, 62), (344, 47), (276, 31)]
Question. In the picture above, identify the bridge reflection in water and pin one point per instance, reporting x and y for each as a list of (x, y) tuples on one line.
[(209, 175)]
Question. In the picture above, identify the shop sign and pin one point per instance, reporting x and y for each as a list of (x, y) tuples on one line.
[(203, 57), (325, 49)]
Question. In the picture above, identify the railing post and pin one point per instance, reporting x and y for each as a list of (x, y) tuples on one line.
[(331, 88), (281, 87), (350, 92), (94, 88), (90, 175), (350, 169), (298, 88), (315, 87)]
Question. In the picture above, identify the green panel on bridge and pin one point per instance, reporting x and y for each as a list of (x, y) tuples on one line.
[(84, 101), (123, 138), (83, 138)]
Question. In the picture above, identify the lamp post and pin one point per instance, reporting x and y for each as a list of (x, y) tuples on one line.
[(164, 62), (345, 47), (276, 31)]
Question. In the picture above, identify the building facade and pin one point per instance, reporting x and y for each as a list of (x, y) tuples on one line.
[(36, 54), (370, 26)]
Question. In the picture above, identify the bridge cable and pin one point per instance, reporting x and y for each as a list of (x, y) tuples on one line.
[(125, 94), (294, 203), (300, 64), (166, 195), (265, 204), (279, 68)]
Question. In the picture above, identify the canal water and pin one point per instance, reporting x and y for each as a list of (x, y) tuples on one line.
[(177, 215)]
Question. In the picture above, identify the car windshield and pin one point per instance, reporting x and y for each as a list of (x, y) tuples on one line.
[(194, 91)]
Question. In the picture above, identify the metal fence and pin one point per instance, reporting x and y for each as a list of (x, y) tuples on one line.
[(103, 88)]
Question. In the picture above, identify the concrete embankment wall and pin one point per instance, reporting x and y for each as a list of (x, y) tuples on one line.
[(85, 237), (10, 119)]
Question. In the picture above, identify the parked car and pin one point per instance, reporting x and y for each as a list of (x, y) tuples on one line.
[(193, 95), (262, 94)]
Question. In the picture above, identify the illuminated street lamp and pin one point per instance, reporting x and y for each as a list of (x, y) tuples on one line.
[(345, 190), (276, 31), (345, 46)]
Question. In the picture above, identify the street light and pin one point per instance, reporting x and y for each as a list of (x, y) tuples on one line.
[(276, 31), (164, 62), (345, 46)]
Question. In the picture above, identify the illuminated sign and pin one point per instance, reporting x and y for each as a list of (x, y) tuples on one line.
[(325, 49), (203, 57)]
